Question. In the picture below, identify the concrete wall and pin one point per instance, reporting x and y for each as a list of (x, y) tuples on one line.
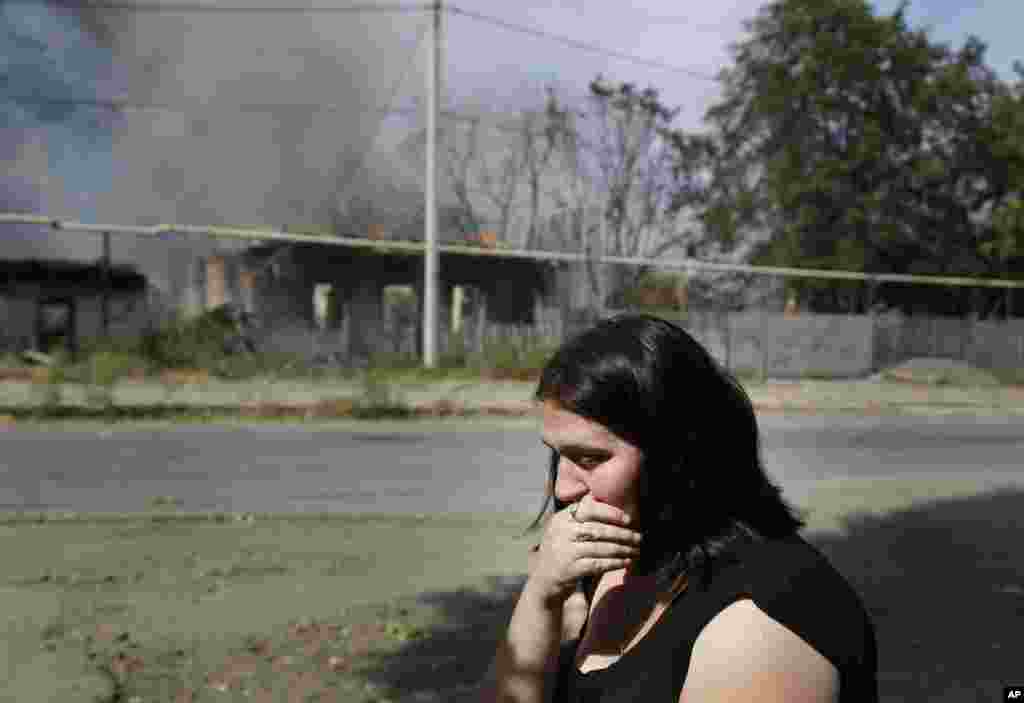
[(991, 345), (790, 347)]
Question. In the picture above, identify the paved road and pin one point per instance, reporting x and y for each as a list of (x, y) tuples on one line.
[(410, 470)]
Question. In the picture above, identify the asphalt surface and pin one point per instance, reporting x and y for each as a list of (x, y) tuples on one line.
[(416, 469)]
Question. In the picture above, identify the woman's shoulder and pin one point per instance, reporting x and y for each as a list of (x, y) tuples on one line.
[(791, 565), (795, 584), (788, 578)]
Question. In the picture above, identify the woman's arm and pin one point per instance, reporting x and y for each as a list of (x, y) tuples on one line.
[(524, 668), (526, 664), (744, 654)]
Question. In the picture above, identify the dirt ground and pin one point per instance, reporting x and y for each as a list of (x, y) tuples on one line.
[(410, 609)]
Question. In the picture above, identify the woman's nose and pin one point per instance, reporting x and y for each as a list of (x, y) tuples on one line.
[(571, 478)]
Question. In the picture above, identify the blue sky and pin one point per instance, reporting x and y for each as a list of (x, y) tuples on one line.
[(491, 63), (996, 22)]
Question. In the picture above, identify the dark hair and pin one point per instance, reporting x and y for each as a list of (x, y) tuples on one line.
[(704, 489)]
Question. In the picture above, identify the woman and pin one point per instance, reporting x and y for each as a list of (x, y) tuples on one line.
[(671, 569)]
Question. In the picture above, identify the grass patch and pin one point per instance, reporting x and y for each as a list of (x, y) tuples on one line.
[(410, 608), (116, 413), (207, 347), (502, 359), (940, 372), (1009, 377), (270, 412), (216, 607)]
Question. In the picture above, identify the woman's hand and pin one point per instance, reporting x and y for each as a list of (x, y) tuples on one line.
[(596, 541)]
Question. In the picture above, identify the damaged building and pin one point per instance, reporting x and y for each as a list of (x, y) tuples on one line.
[(327, 300), (46, 305)]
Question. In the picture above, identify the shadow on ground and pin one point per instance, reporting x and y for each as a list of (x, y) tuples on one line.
[(944, 582)]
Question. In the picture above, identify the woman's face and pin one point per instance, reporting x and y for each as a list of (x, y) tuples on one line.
[(591, 460)]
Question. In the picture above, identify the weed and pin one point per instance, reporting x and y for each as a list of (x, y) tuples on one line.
[(509, 358), (379, 399), (51, 393), (164, 502), (1009, 377), (197, 343), (457, 353), (10, 360), (748, 375), (817, 375), (103, 369)]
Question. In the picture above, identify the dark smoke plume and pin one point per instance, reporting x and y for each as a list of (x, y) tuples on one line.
[(220, 123)]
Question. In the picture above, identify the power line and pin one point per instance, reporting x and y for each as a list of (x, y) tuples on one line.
[(171, 7), (415, 247), (586, 46)]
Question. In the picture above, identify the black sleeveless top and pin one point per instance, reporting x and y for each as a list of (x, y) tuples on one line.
[(788, 579)]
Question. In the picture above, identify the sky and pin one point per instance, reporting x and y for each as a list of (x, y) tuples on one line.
[(203, 162), (687, 35)]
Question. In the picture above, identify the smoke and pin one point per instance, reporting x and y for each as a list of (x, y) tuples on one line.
[(52, 151), (238, 139), (214, 150)]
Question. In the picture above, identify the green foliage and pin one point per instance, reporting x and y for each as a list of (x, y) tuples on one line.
[(196, 343), (105, 368), (380, 399), (457, 353), (10, 360), (508, 358), (1009, 377), (393, 361), (854, 141), (534, 359), (502, 358), (237, 367), (52, 395), (199, 343), (1008, 231), (160, 502)]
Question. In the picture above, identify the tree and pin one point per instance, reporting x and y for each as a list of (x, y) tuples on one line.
[(486, 165), (600, 179), (846, 140), (1005, 242), (622, 178)]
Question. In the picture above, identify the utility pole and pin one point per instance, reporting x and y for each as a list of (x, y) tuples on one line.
[(105, 294), (430, 261)]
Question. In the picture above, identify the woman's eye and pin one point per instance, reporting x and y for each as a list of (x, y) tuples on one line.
[(588, 461)]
